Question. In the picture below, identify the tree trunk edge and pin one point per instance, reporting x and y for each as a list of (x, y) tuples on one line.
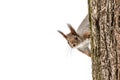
[(105, 39)]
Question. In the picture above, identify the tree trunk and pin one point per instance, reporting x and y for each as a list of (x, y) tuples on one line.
[(104, 18)]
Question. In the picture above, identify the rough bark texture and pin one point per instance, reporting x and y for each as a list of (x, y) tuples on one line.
[(105, 39)]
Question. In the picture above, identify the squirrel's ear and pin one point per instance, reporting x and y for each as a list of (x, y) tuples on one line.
[(71, 29), (62, 34)]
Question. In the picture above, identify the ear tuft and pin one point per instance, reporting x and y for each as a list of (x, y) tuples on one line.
[(71, 29), (62, 34)]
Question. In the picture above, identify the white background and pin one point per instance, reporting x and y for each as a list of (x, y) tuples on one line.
[(30, 46)]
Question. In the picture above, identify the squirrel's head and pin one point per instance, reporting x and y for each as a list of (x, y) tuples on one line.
[(72, 38)]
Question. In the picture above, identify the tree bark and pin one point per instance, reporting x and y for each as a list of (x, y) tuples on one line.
[(104, 18)]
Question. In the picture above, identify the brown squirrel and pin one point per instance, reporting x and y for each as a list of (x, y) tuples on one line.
[(79, 39)]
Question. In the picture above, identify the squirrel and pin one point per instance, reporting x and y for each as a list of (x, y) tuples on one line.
[(79, 39)]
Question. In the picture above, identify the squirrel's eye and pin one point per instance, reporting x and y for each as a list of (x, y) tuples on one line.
[(76, 38)]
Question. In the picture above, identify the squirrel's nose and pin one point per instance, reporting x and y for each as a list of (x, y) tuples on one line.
[(73, 45)]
